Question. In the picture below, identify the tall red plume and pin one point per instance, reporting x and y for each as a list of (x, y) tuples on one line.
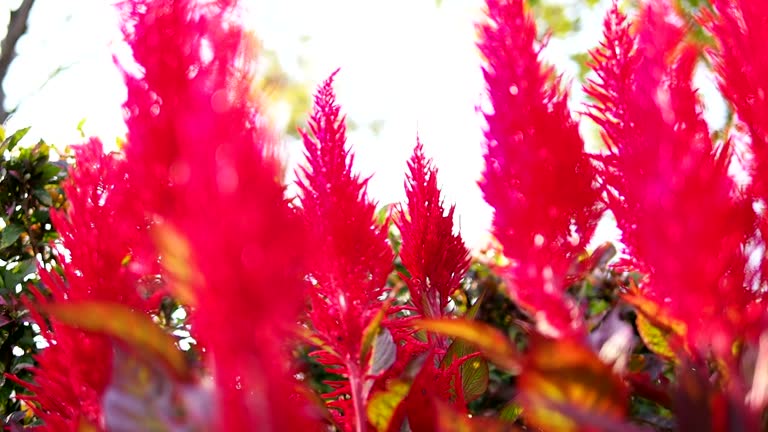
[(98, 241), (350, 270), (682, 219), (537, 176), (435, 257), (204, 157)]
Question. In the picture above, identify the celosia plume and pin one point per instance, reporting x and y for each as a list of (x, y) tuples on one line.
[(740, 28), (205, 158), (99, 240), (682, 219), (537, 176), (350, 270), (435, 257)]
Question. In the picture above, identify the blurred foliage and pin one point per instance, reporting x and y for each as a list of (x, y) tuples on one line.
[(29, 188)]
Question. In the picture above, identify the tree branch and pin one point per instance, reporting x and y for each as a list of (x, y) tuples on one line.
[(17, 26)]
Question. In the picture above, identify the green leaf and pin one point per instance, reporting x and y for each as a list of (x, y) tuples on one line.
[(43, 196), (134, 329), (510, 412), (474, 372), (10, 234), (11, 142), (494, 345)]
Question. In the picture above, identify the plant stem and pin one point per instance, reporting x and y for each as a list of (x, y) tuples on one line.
[(356, 388)]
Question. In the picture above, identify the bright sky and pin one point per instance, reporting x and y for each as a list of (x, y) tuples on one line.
[(406, 62)]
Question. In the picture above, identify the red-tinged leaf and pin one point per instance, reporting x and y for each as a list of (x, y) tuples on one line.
[(655, 338), (565, 372), (383, 404), (474, 372), (177, 263), (654, 312), (449, 420), (494, 345), (134, 329)]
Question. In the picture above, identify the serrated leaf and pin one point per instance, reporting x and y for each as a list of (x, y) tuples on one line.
[(383, 404), (134, 329), (565, 372), (491, 342), (10, 234)]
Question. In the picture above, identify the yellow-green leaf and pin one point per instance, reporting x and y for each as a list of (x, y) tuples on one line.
[(383, 404), (491, 342), (566, 372), (177, 262), (474, 372), (134, 329), (449, 420), (655, 338), (510, 412)]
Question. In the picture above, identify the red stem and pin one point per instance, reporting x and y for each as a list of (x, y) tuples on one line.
[(356, 388)]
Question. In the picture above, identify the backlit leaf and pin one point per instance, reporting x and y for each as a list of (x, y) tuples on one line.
[(177, 262), (491, 342), (383, 404), (565, 372), (134, 329), (474, 372), (449, 420), (511, 412), (655, 338)]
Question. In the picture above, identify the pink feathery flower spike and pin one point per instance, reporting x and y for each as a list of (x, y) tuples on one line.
[(350, 270), (435, 257), (205, 158), (537, 177), (66, 389), (740, 28), (740, 58), (682, 219)]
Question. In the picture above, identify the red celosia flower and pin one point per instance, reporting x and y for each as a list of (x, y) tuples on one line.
[(98, 239), (205, 159), (681, 217), (740, 28), (537, 176), (350, 271), (434, 256)]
